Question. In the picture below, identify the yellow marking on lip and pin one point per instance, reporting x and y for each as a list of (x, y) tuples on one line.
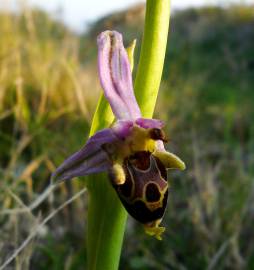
[(154, 229)]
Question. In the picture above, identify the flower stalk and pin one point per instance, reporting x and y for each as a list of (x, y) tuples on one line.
[(152, 55), (106, 215)]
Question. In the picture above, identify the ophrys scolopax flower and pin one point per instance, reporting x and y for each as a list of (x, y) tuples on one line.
[(132, 150)]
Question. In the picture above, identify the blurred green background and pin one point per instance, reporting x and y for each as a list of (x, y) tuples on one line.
[(48, 92)]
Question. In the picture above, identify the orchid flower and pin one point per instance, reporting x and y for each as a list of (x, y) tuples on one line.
[(132, 149)]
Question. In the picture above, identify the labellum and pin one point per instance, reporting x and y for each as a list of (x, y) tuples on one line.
[(145, 191), (140, 178)]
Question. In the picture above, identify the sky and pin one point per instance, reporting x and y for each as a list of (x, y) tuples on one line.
[(79, 13)]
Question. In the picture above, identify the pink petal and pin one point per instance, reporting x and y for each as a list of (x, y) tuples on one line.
[(149, 123), (89, 159), (115, 75), (122, 128)]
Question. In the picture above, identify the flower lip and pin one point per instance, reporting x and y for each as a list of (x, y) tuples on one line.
[(142, 170)]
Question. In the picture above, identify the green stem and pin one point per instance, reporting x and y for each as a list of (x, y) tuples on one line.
[(106, 215), (152, 56)]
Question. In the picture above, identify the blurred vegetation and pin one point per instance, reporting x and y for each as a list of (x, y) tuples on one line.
[(48, 93)]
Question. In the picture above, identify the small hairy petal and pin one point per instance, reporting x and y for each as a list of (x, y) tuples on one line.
[(169, 160), (89, 159), (115, 75), (149, 123)]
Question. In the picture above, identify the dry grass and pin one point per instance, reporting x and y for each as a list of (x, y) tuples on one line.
[(41, 83)]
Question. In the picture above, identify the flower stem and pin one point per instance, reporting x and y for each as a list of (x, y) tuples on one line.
[(106, 215), (152, 56)]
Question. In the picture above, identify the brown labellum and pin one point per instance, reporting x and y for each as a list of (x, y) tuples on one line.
[(145, 191)]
